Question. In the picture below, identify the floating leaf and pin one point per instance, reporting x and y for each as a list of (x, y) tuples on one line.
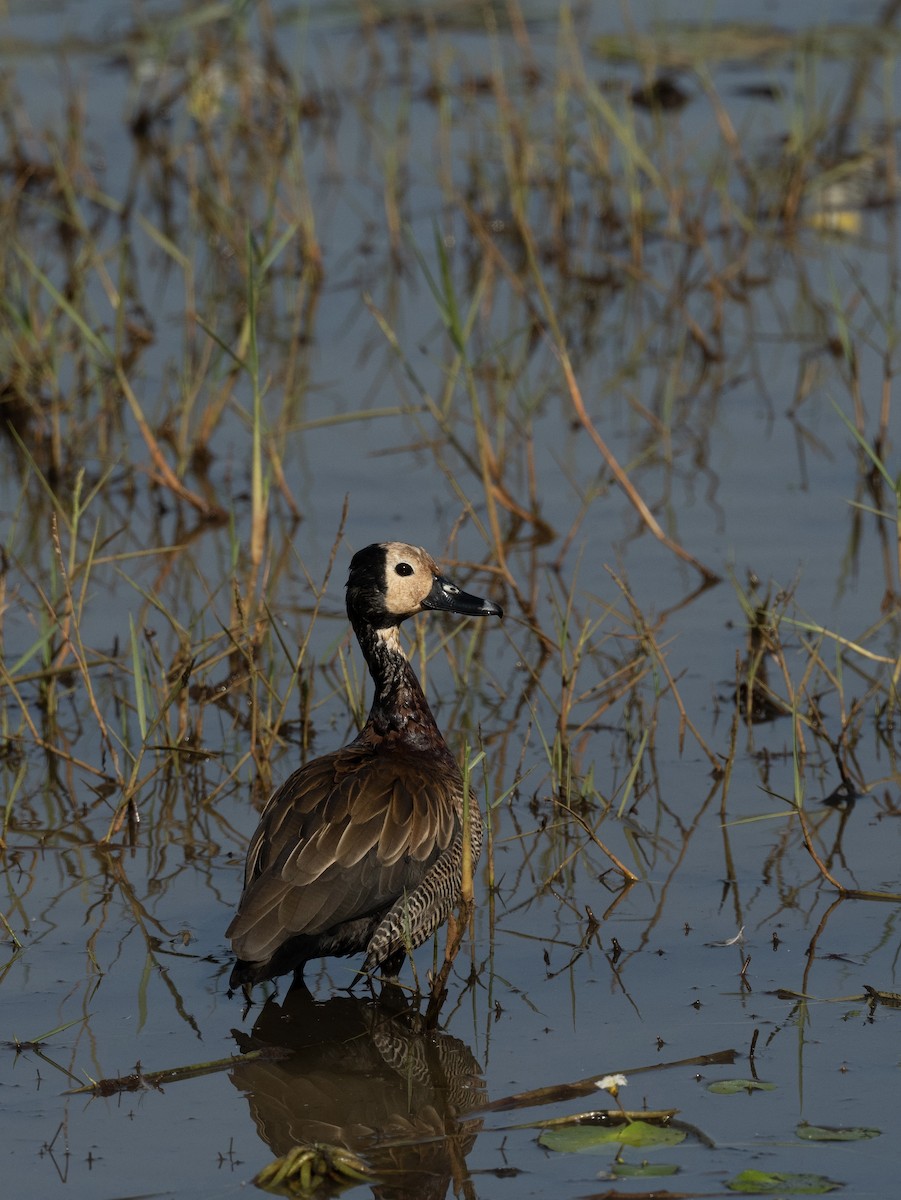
[(768, 1183), (731, 1087), (833, 1133), (588, 1139)]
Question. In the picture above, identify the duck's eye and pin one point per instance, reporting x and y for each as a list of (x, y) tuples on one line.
[(403, 569)]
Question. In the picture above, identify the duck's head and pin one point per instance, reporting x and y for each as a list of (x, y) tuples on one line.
[(390, 581)]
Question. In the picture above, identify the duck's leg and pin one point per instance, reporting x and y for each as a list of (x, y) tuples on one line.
[(388, 969)]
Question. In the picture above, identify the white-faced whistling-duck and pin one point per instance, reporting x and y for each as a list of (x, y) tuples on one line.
[(361, 849)]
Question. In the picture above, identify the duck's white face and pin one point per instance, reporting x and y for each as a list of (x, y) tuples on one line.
[(410, 575), (390, 581)]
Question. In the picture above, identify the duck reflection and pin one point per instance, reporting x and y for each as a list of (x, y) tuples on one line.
[(365, 1074)]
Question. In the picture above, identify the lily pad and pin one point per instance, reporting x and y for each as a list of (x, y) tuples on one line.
[(769, 1183), (731, 1087), (592, 1139), (833, 1133)]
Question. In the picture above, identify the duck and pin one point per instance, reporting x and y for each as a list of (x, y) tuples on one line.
[(360, 850)]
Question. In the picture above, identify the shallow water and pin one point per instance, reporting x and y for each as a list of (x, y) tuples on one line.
[(714, 369)]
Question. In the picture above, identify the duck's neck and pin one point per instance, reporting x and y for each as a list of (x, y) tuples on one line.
[(399, 707)]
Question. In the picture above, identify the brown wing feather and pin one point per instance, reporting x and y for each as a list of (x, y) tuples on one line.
[(343, 837)]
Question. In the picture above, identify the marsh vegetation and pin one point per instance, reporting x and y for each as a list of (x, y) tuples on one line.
[(602, 309)]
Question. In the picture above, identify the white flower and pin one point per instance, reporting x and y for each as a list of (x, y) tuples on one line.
[(611, 1083)]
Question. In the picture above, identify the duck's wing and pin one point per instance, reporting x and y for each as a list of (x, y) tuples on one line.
[(341, 839)]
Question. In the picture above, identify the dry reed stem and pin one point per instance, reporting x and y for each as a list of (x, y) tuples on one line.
[(556, 1093), (632, 493), (811, 850), (645, 633), (457, 925), (72, 639), (167, 476), (628, 875), (319, 594), (549, 323)]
